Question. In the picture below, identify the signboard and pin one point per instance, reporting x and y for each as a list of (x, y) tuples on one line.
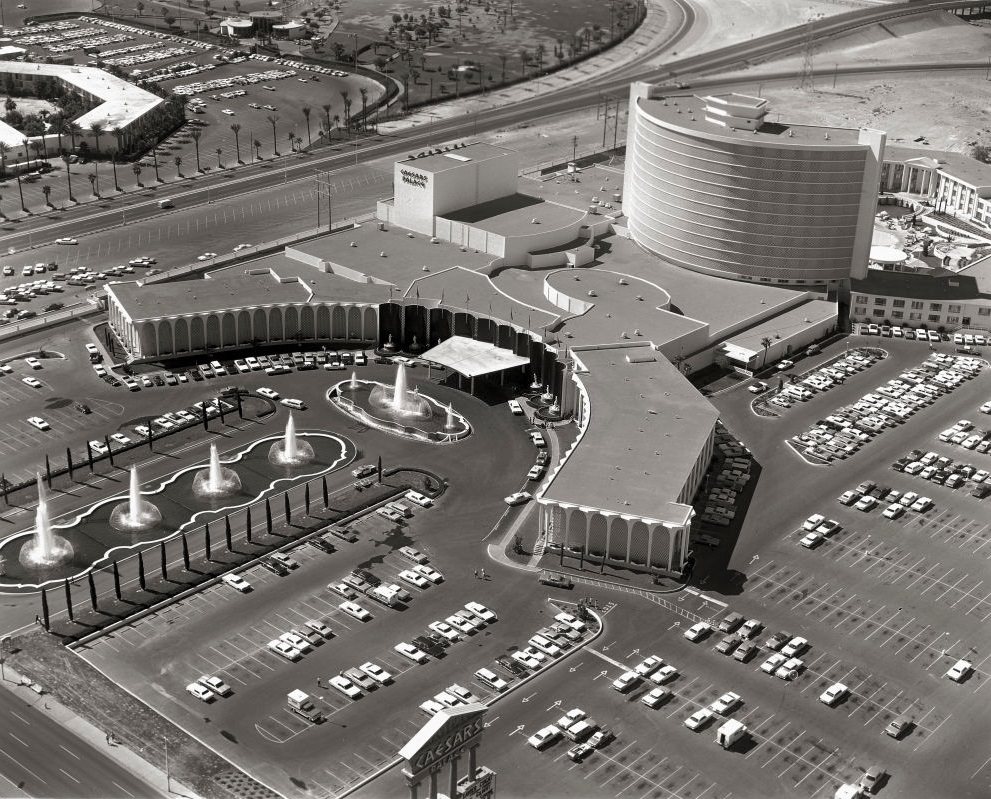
[(445, 736), (483, 787), (417, 179)]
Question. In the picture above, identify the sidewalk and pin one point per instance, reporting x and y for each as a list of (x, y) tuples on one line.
[(157, 782)]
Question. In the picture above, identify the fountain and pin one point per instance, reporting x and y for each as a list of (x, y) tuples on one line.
[(137, 513), (291, 450), (398, 400), (451, 422), (45, 549), (216, 481), (353, 384)]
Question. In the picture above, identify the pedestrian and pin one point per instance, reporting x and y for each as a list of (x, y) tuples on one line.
[(108, 739), (476, 574), (483, 574)]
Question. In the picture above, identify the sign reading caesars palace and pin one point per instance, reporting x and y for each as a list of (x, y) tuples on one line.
[(452, 734), (414, 178), (447, 744)]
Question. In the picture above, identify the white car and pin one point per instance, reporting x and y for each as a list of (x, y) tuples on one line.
[(771, 665), (789, 669), (867, 503), (376, 672), (286, 650), (319, 627), (345, 686), (544, 737), (698, 631), (515, 407), (699, 719), (664, 674), (893, 511), (217, 685), (922, 504), (200, 691), (545, 645), (460, 624), (726, 703), (518, 498), (227, 111), (413, 578), (444, 629), (120, 438), (573, 622), (491, 679), (833, 694), (525, 658), (811, 540), (38, 422), (296, 641), (411, 652), (626, 681), (31, 381), (431, 574), (655, 697), (813, 521), (355, 610), (959, 670), (848, 497), (267, 392), (647, 667), (66, 240), (237, 582), (481, 611), (796, 646)]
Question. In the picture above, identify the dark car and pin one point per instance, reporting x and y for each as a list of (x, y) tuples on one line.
[(728, 644), (778, 640), (437, 638), (344, 534), (55, 306), (367, 576), (323, 544), (275, 567), (555, 580), (158, 380), (429, 646), (981, 491), (197, 376), (82, 407), (512, 666)]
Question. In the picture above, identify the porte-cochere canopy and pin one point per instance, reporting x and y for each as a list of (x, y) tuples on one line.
[(473, 358)]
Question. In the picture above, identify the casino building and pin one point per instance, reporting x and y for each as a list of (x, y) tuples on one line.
[(714, 185), (501, 279)]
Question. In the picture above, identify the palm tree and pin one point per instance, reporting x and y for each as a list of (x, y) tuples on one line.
[(219, 163), (4, 149), (140, 7), (272, 119), (195, 136), (36, 146), (258, 149), (47, 191), (92, 184), (765, 342), (20, 191), (524, 57), (27, 158), (346, 97), (364, 107), (326, 112), (136, 169), (119, 137), (97, 130), (337, 121), (72, 129), (306, 115), (154, 161), (237, 144), (58, 127), (68, 176), (178, 166)]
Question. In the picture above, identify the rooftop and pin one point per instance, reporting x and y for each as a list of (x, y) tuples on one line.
[(122, 102), (635, 455), (406, 254), (971, 283), (450, 159), (784, 326), (963, 167), (688, 113), (734, 98), (514, 215)]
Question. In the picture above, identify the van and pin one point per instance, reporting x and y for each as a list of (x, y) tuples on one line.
[(401, 509), (295, 404), (729, 733), (581, 731), (166, 204)]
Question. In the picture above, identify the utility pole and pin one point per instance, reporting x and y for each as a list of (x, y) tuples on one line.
[(807, 83), (574, 148), (605, 123)]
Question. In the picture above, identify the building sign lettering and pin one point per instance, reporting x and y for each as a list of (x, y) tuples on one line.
[(414, 178), (436, 752)]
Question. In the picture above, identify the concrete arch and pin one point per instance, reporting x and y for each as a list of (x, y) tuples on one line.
[(661, 547), (354, 322), (228, 330), (148, 339), (618, 548), (323, 322), (259, 330), (639, 542), (181, 335), (212, 331), (370, 330), (574, 525), (165, 344), (597, 534), (196, 335), (275, 325), (291, 323), (307, 322), (339, 320), (243, 327)]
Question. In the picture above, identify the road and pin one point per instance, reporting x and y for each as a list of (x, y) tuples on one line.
[(144, 204), (40, 757)]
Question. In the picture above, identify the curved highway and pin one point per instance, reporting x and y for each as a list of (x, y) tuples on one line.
[(141, 205)]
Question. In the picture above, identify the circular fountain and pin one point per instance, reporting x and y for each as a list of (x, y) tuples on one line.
[(399, 400), (291, 450), (45, 549), (216, 481), (399, 410), (137, 513)]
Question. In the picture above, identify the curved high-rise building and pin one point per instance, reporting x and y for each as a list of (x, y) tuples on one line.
[(713, 185)]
